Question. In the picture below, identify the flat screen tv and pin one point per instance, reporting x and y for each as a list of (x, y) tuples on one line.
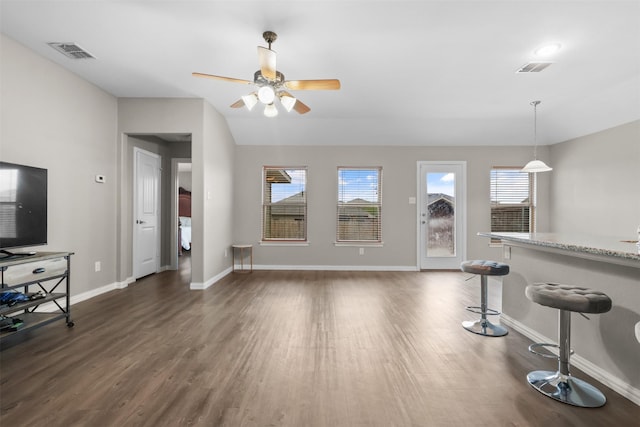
[(23, 207)]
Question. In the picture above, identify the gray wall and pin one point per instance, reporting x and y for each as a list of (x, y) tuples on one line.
[(53, 119), (184, 180), (212, 192), (596, 183), (399, 183)]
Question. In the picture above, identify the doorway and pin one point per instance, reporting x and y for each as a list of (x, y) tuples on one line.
[(146, 212), (441, 215), (181, 212)]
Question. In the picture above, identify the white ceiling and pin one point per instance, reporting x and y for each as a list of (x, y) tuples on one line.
[(412, 72)]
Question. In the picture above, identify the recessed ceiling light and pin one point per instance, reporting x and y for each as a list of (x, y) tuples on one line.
[(547, 50)]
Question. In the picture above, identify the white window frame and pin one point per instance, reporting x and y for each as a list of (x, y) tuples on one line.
[(298, 205), (376, 239), (511, 190)]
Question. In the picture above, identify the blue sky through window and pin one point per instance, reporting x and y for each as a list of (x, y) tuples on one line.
[(441, 182), (358, 184), (280, 191)]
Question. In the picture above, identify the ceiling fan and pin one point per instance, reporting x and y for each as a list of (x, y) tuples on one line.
[(271, 84)]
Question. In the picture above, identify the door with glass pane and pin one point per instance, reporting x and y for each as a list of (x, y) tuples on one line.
[(441, 215)]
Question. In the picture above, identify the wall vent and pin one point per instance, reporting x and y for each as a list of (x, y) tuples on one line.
[(71, 50), (533, 67)]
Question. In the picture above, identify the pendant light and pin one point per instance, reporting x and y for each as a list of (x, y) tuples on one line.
[(535, 165)]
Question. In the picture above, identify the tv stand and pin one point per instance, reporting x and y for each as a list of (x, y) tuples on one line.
[(10, 255), (46, 273)]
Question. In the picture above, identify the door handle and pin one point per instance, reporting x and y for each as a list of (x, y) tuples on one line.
[(140, 221)]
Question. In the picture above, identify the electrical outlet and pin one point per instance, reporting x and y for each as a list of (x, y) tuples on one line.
[(226, 253), (361, 252), (98, 266), (506, 252)]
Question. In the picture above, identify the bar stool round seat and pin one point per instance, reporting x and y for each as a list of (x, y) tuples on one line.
[(560, 385), (483, 326)]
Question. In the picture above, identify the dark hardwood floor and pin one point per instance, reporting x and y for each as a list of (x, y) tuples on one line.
[(283, 348)]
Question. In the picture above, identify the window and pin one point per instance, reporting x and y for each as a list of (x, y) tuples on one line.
[(359, 205), (512, 200), (284, 203)]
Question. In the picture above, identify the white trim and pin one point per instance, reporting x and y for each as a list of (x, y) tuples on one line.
[(462, 249), (199, 286), (606, 378), (283, 243), (338, 267), (50, 307), (360, 244)]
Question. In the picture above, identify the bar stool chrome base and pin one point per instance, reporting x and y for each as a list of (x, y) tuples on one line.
[(566, 389), (484, 327)]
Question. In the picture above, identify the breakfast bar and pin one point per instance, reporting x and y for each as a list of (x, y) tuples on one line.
[(605, 345)]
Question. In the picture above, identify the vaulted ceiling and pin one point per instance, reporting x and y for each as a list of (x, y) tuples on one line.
[(412, 72)]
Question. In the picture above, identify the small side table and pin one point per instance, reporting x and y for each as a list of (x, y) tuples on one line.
[(242, 257)]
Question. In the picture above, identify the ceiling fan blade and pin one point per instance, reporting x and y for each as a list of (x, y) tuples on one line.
[(329, 84), (300, 107), (228, 79), (267, 59), (239, 103)]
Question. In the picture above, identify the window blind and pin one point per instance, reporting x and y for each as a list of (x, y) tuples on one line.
[(284, 203), (512, 200), (359, 209)]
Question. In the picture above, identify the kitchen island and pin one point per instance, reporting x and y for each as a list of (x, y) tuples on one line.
[(605, 345)]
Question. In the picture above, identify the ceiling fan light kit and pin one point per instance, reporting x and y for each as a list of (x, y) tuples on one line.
[(535, 165), (271, 84), (250, 101)]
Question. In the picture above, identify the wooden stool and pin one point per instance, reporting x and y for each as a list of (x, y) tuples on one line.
[(484, 269), (242, 256), (560, 385)]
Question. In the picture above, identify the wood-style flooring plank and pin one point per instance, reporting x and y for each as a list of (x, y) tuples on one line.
[(283, 348)]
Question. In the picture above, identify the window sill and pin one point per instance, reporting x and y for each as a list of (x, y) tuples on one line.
[(360, 244), (283, 243)]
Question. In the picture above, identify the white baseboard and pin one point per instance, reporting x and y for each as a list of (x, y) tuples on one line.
[(51, 307), (338, 267), (606, 378), (202, 286)]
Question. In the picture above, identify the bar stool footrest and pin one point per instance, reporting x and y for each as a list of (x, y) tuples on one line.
[(533, 348), (487, 312)]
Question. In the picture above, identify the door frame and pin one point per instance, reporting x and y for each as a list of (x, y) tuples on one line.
[(461, 248), (137, 150)]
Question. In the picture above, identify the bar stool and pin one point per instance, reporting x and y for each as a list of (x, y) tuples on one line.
[(560, 385), (483, 326)]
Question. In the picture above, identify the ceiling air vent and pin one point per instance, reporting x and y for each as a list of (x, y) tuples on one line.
[(533, 67), (71, 50)]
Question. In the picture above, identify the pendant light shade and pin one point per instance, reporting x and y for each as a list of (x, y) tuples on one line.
[(535, 165)]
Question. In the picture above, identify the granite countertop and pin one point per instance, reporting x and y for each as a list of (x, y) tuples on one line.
[(581, 243)]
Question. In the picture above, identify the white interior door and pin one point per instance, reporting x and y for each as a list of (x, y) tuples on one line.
[(442, 214), (146, 228)]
